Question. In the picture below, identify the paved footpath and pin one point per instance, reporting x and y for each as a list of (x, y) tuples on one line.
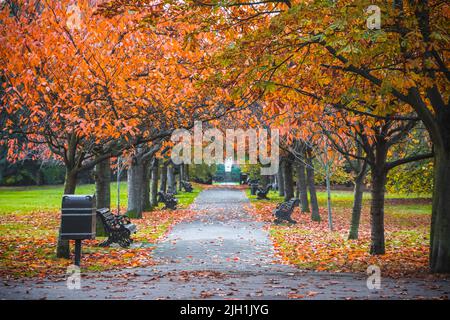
[(223, 253)]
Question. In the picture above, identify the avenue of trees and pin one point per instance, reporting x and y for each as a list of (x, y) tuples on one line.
[(89, 83)]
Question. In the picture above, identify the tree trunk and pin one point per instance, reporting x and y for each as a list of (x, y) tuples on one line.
[(171, 183), (440, 218), (280, 179), (183, 168), (357, 206), (146, 206), (315, 216), (330, 216), (102, 190), (163, 185), (70, 183), (39, 178), (377, 210), (154, 184), (288, 180), (273, 180), (180, 176), (302, 187), (135, 180), (264, 181), (102, 184), (186, 172)]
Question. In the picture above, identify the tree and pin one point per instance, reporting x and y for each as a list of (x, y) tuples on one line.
[(89, 88), (315, 43), (382, 141), (62, 87), (411, 68)]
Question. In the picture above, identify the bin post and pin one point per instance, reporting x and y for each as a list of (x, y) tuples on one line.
[(77, 252)]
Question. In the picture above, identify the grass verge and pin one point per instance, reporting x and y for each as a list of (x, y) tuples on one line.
[(311, 245), (28, 233)]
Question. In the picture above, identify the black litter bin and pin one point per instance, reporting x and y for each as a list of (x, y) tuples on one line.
[(78, 217), (78, 220)]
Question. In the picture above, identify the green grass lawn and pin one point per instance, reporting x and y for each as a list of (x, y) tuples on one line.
[(340, 199), (186, 198), (29, 222), (48, 198)]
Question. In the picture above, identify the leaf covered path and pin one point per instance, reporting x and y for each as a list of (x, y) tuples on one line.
[(221, 253)]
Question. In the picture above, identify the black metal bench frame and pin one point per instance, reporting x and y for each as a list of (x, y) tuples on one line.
[(118, 227), (187, 186), (284, 211), (169, 200), (261, 193)]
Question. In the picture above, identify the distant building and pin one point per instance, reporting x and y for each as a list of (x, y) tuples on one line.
[(228, 172)]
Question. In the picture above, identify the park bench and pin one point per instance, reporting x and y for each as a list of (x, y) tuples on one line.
[(284, 211), (253, 184), (169, 200), (187, 186), (262, 192), (253, 188), (118, 227)]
